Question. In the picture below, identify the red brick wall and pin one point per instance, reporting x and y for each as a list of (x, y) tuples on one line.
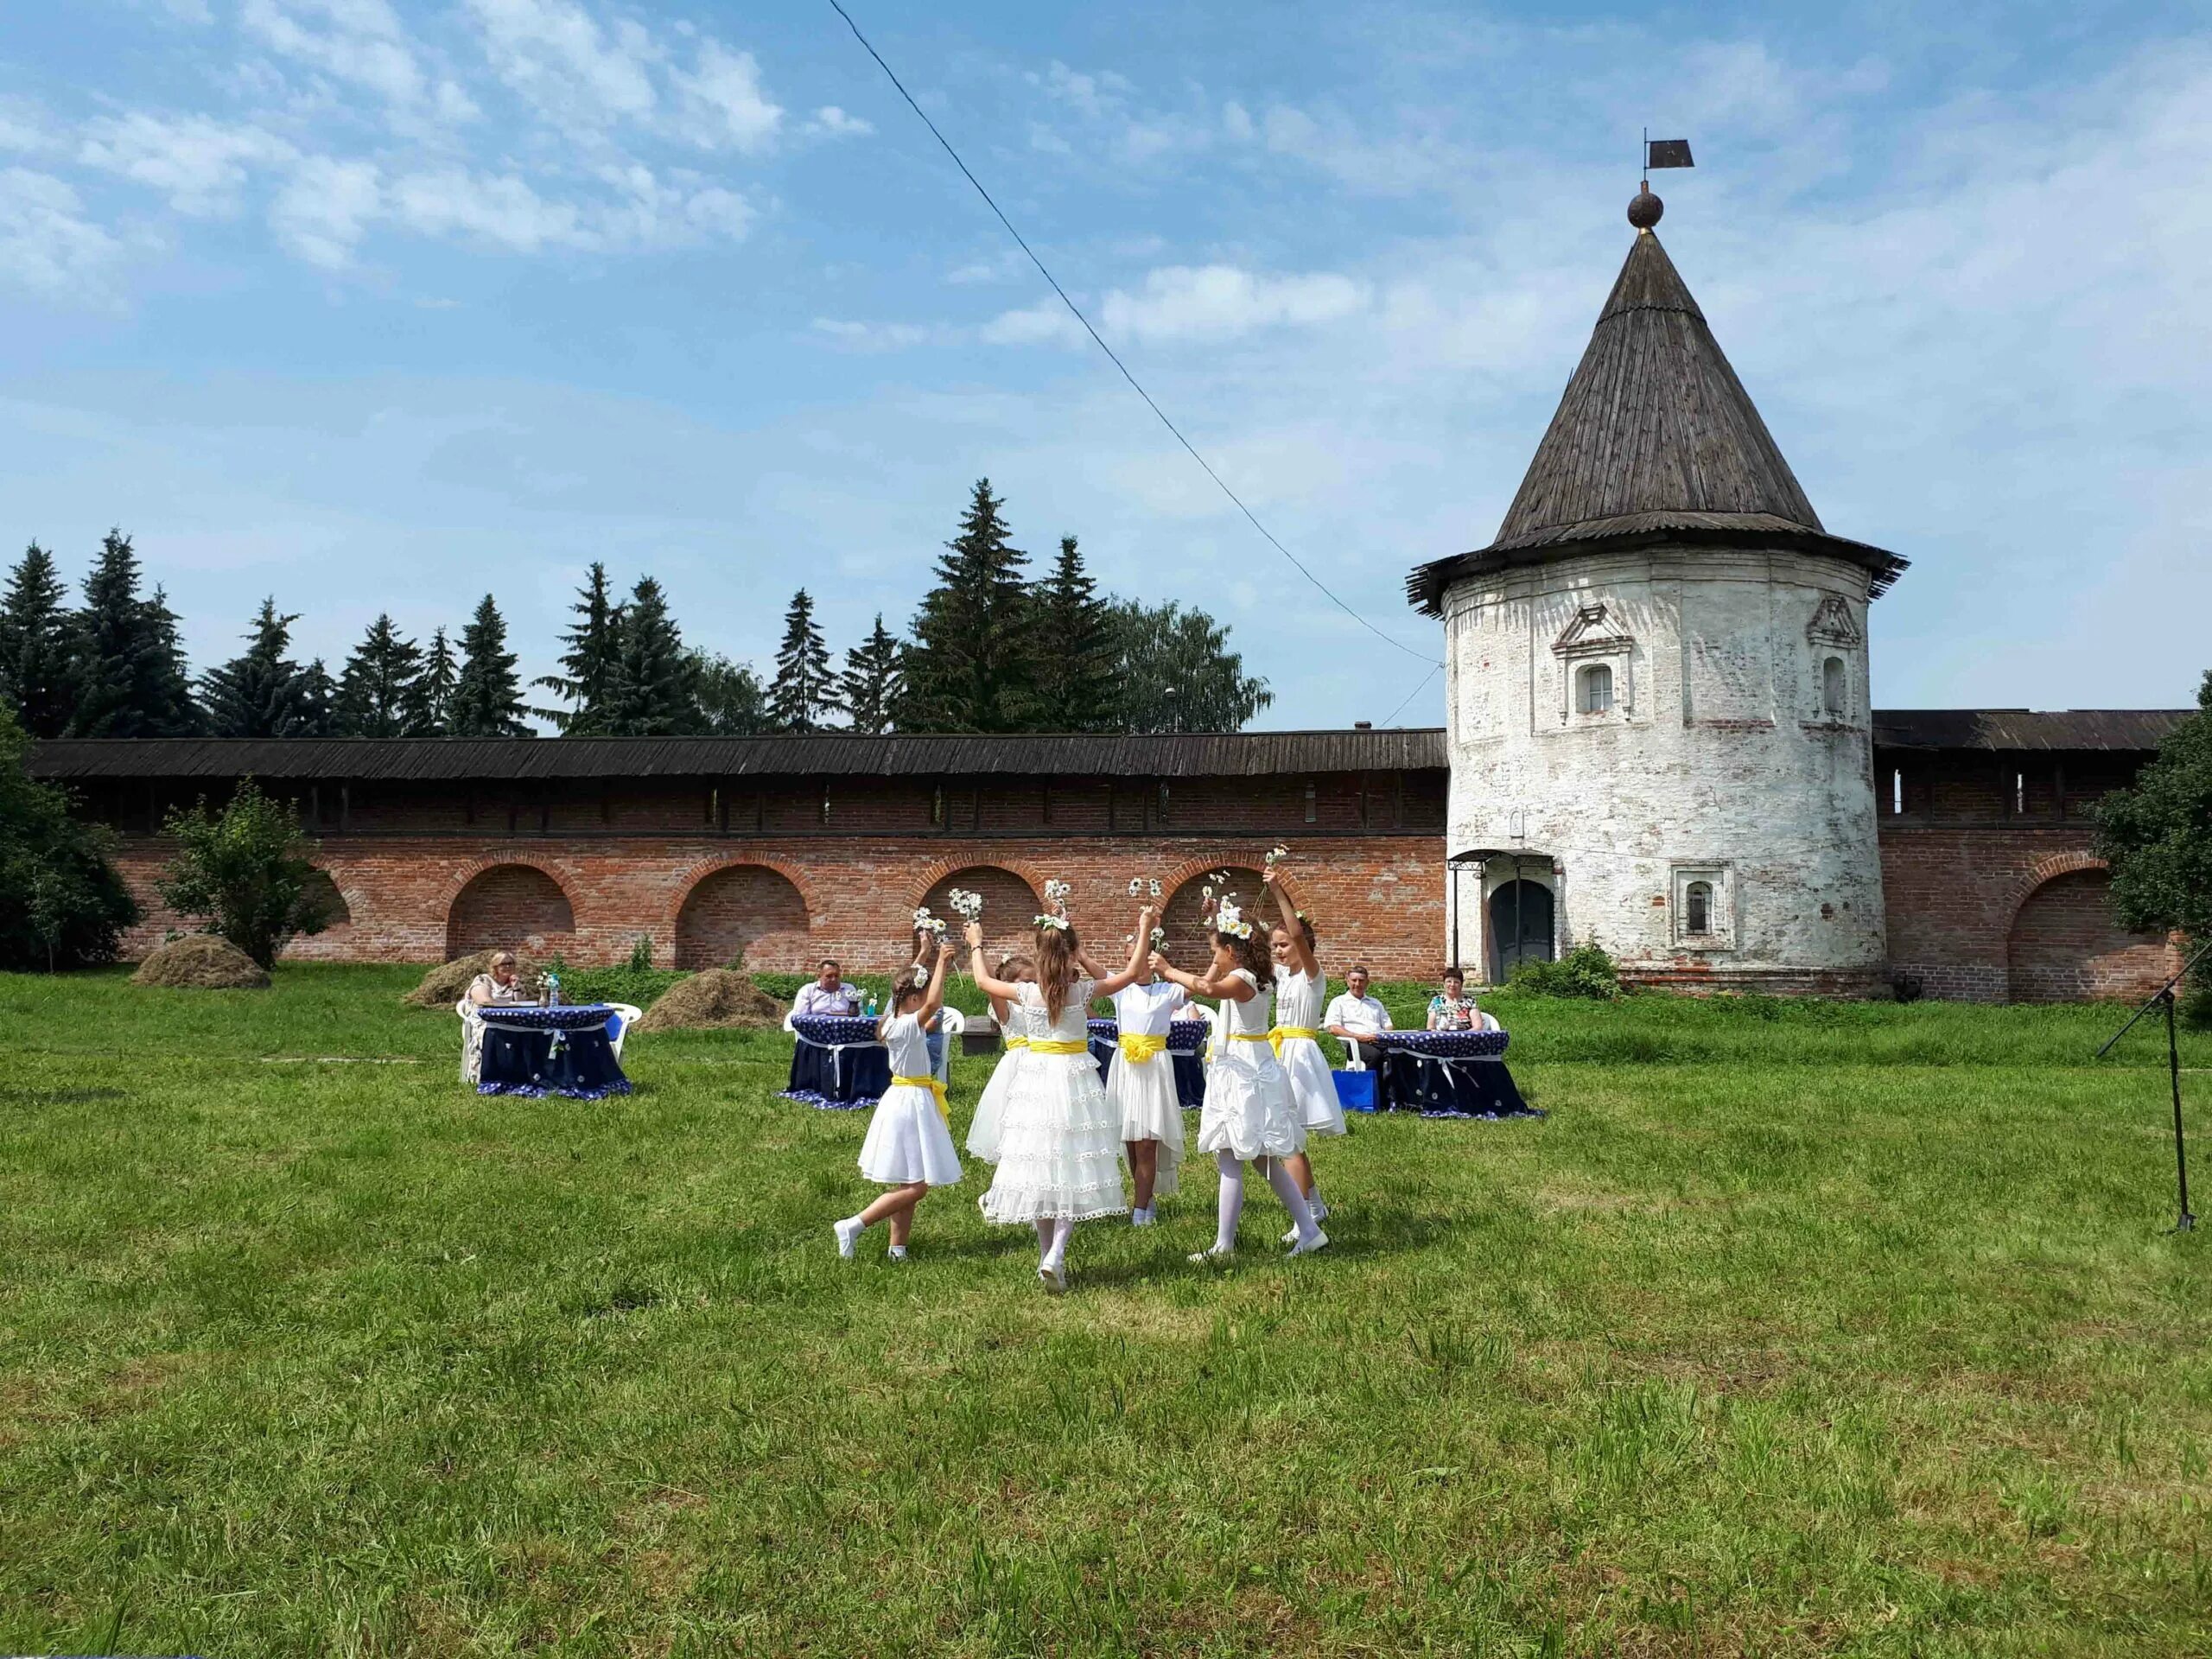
[(1377, 897), (749, 914), (2065, 947), (1954, 894)]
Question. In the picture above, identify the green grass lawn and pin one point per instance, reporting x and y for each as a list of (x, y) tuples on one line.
[(1794, 1329)]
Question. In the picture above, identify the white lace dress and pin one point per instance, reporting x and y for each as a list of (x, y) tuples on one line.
[(1059, 1140), (1143, 1093), (908, 1138), (983, 1127), (1305, 1067), (1248, 1112)]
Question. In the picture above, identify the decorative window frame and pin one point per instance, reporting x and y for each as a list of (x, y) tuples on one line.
[(1594, 639), (1834, 632), (1721, 877)]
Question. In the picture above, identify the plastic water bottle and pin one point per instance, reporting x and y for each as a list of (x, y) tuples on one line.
[(871, 1007)]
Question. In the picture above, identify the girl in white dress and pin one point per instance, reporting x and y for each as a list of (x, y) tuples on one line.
[(1014, 1027), (1300, 992), (1059, 1141), (1141, 1084), (909, 1146), (1248, 1117)]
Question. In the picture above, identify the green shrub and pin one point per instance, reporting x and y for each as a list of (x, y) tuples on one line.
[(1586, 971), (246, 871), (641, 955)]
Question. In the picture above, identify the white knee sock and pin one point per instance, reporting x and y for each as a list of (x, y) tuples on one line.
[(1055, 1254), (1293, 1199), (1047, 1233), (1231, 1203)]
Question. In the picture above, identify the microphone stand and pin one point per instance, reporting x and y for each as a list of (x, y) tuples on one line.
[(2165, 995)]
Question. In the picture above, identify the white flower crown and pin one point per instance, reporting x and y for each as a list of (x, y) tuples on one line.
[(1227, 918), (1060, 922)]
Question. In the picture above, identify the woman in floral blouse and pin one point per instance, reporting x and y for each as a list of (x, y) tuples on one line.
[(1454, 1010)]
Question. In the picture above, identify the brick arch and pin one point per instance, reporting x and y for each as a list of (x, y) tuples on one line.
[(1187, 947), (699, 869), (2063, 944), (917, 891), (743, 911), (997, 926), (2044, 870), (540, 920)]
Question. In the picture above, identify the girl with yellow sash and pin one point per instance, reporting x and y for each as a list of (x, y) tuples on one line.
[(909, 1146), (1141, 1084), (1301, 994), (1013, 1026), (1247, 1118), (1059, 1142)]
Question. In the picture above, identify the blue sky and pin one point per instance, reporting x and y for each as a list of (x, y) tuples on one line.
[(380, 304)]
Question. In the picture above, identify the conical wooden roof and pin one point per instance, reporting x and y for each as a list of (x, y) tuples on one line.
[(1655, 440)]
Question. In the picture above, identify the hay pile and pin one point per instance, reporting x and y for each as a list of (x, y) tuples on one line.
[(442, 986), (203, 962), (719, 997)]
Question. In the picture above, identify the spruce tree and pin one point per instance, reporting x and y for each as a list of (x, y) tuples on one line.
[(805, 692), (262, 692), (433, 691), (654, 695), (871, 681), (486, 697), (379, 692), (130, 678), (731, 701), (34, 668), (973, 665), (591, 668), (1075, 670)]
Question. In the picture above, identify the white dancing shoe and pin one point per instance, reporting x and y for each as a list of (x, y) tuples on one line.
[(1306, 1246), (1212, 1256), (1054, 1279), (897, 1252), (848, 1233), (1140, 1218)]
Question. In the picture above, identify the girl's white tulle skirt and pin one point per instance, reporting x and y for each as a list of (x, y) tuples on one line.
[(1059, 1144), (908, 1141), (983, 1127), (1249, 1112), (1312, 1088), (1142, 1095)]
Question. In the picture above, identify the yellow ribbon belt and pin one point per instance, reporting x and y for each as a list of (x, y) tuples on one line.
[(936, 1088), (1143, 1045), (1046, 1045), (1017, 1042), (1250, 1037), (1281, 1034)]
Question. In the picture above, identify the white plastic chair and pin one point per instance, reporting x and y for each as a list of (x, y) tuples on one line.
[(618, 1025), (1489, 1020), (950, 1023)]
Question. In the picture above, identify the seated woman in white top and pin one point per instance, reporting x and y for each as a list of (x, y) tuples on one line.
[(499, 983), (909, 1146), (1248, 1116)]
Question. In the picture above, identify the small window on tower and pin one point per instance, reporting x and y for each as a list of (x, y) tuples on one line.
[(1697, 908), (1836, 700), (1896, 791), (1593, 689)]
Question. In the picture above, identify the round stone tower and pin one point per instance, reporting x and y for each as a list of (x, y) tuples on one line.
[(1656, 682)]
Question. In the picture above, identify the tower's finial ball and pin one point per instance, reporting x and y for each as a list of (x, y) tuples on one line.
[(1644, 211)]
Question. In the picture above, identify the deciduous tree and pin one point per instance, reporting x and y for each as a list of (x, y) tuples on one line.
[(245, 871)]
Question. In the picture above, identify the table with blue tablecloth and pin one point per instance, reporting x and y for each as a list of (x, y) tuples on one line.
[(1186, 1040), (549, 1051), (1449, 1074), (838, 1063)]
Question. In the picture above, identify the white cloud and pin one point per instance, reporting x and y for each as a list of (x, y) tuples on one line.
[(361, 42), (835, 124), (25, 128), (47, 243), (200, 165), (723, 102), (501, 210), (1047, 323), (555, 54), (325, 209), (1223, 303), (873, 336)]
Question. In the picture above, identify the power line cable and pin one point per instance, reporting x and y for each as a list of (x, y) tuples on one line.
[(1411, 695), (1112, 356)]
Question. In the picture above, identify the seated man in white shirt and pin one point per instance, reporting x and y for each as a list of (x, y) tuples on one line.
[(829, 994), (1355, 1018)]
